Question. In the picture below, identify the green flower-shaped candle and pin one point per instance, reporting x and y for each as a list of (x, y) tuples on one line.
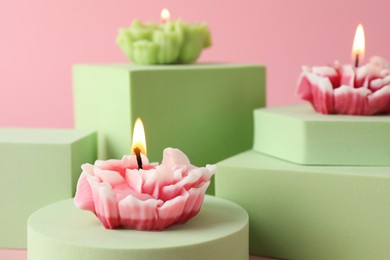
[(167, 43)]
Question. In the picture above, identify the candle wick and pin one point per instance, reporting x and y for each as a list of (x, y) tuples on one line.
[(357, 61), (137, 152)]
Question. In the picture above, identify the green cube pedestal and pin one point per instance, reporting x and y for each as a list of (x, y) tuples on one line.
[(309, 212), (203, 109), (299, 134), (37, 167)]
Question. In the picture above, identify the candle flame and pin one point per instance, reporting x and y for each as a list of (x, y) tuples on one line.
[(165, 15), (358, 47), (139, 140)]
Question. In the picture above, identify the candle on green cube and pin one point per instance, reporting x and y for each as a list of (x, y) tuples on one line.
[(171, 42)]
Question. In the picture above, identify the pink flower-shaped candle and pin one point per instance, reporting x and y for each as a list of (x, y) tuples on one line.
[(347, 90), (152, 198)]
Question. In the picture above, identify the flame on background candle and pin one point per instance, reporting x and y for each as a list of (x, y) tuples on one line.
[(165, 15), (139, 140), (358, 47)]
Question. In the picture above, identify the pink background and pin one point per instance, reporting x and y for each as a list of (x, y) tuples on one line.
[(41, 39)]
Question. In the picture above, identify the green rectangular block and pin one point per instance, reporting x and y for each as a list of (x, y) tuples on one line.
[(37, 167), (203, 109), (309, 212), (299, 134)]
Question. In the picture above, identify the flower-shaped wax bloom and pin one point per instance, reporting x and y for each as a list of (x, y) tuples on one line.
[(152, 198), (167, 43), (196, 37), (347, 90)]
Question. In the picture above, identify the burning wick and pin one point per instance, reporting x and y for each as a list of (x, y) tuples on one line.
[(137, 152), (357, 61), (358, 46)]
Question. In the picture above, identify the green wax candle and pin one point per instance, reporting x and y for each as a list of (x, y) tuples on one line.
[(167, 43), (196, 37), (144, 52), (168, 46), (140, 31), (125, 40)]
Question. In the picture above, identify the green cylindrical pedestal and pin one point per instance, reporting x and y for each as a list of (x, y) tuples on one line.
[(62, 232)]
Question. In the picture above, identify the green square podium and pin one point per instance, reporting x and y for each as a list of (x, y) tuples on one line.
[(300, 135), (203, 109), (37, 167), (309, 212)]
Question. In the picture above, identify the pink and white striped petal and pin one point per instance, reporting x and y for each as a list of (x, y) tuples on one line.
[(380, 101), (83, 198), (351, 101), (170, 212), (107, 208), (194, 202), (139, 214)]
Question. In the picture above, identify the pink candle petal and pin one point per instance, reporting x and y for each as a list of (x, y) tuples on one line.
[(107, 209), (379, 83), (165, 176), (351, 101), (304, 88), (379, 62), (150, 185), (112, 165), (94, 183), (347, 76), (138, 214), (123, 190), (173, 157), (380, 101), (134, 179), (323, 96), (193, 179), (211, 170), (170, 212), (328, 72), (171, 191), (83, 198), (194, 202), (111, 177)]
